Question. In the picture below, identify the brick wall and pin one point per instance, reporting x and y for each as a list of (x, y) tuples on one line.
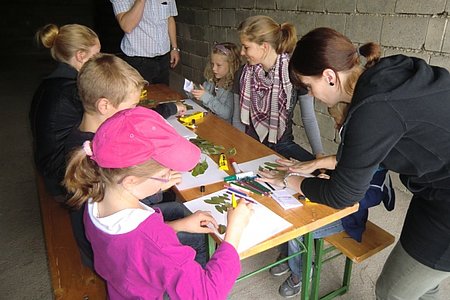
[(412, 27)]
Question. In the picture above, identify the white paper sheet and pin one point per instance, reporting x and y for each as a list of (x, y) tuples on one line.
[(262, 225), (188, 85), (212, 175), (195, 106), (285, 200), (180, 128)]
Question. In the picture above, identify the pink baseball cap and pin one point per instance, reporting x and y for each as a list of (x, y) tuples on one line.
[(134, 136)]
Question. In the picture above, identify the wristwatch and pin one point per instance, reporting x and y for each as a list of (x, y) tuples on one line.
[(175, 49)]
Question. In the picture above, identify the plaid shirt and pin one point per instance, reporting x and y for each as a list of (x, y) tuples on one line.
[(150, 38)]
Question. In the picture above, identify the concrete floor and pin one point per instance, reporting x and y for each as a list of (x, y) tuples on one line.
[(23, 263)]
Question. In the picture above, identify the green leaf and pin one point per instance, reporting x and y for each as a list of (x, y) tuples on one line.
[(232, 151), (200, 168), (219, 208), (222, 229)]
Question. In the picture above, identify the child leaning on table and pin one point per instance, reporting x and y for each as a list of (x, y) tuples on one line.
[(131, 157), (107, 84), (215, 93)]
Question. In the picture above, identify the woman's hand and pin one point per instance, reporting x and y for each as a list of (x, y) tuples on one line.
[(198, 93), (198, 222), (272, 177), (286, 163), (237, 220), (306, 167), (322, 163)]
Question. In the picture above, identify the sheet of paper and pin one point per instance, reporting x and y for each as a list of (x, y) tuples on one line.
[(263, 223), (212, 175), (285, 200), (188, 85), (181, 129), (196, 107)]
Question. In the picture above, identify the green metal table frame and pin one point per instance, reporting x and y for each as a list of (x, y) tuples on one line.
[(306, 249)]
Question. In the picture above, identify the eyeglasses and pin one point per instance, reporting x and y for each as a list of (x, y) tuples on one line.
[(165, 180), (160, 179)]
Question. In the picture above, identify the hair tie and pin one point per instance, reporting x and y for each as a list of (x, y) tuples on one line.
[(222, 49), (87, 148)]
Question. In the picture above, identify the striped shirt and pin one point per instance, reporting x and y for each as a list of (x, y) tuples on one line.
[(150, 38)]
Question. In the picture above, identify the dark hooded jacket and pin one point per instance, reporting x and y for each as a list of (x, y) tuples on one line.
[(399, 119), (56, 108)]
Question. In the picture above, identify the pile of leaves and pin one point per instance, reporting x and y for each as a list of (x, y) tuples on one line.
[(219, 203)]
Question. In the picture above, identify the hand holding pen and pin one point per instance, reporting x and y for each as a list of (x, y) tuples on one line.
[(237, 220)]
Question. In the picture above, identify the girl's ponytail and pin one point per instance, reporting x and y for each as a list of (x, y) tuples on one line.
[(82, 179)]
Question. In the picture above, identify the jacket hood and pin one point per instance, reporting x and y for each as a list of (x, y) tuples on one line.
[(411, 76)]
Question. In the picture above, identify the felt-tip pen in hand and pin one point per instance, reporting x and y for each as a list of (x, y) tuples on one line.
[(239, 176)]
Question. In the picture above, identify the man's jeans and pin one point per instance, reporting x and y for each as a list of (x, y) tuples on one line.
[(295, 263)]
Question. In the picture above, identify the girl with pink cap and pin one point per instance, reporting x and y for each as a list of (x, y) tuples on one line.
[(139, 256)]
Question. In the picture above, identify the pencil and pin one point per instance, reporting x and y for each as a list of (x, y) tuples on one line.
[(241, 186), (268, 184), (258, 185)]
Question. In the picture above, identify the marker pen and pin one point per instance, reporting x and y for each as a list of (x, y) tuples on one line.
[(239, 176), (235, 166)]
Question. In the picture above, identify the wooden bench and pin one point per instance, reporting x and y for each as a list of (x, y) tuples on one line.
[(373, 241), (70, 279)]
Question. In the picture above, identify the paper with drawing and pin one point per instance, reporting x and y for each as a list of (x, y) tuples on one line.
[(212, 175), (262, 225)]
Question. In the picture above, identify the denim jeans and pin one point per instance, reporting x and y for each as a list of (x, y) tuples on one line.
[(290, 149), (403, 277), (173, 211), (295, 264)]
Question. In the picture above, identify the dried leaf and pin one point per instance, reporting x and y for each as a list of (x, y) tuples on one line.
[(222, 229)]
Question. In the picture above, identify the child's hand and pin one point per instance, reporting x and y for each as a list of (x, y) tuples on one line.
[(198, 222), (237, 219), (181, 108), (174, 178), (198, 93)]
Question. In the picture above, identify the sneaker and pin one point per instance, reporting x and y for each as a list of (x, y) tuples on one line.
[(289, 289), (279, 269)]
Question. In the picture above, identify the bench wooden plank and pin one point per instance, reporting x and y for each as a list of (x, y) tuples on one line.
[(70, 279), (374, 240)]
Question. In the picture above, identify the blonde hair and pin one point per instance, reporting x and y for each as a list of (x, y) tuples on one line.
[(107, 76), (231, 52), (84, 179), (65, 41), (339, 112), (260, 29)]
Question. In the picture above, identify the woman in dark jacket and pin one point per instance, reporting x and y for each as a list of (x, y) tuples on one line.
[(56, 107), (398, 118)]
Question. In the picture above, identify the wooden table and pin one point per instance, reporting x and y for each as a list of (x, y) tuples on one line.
[(305, 219)]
